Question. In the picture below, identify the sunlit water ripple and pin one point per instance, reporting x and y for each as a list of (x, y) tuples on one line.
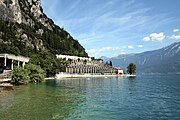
[(145, 97)]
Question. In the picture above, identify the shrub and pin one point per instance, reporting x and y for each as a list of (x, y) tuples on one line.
[(36, 74), (30, 73), (20, 76)]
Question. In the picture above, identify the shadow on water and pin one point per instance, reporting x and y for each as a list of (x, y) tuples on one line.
[(131, 78)]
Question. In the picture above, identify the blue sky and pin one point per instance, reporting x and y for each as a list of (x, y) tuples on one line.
[(113, 27)]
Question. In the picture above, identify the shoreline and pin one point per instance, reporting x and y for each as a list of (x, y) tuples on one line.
[(5, 91), (64, 75), (49, 78)]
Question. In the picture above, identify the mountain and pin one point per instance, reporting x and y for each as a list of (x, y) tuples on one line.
[(105, 59), (165, 60), (121, 56), (24, 27), (26, 30)]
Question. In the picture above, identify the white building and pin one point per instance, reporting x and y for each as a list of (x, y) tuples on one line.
[(7, 61), (119, 71), (92, 66), (67, 57)]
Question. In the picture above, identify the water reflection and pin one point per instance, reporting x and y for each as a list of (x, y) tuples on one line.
[(132, 84), (131, 78), (142, 97), (42, 101)]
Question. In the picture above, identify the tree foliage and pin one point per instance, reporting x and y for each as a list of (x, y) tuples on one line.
[(131, 69), (30, 73), (110, 63), (55, 41), (35, 73), (20, 76)]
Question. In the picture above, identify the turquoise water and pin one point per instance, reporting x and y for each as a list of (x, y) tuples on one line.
[(155, 97)]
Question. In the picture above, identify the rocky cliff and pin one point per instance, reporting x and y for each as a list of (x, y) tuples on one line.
[(24, 11), (23, 21)]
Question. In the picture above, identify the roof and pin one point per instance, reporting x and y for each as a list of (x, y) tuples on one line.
[(13, 57)]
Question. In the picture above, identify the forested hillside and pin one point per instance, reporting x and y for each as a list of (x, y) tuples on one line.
[(26, 30)]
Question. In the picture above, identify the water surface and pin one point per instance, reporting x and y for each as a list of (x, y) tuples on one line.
[(154, 97)]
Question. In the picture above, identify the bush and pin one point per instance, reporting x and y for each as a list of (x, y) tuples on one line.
[(20, 76), (30, 73), (36, 74)]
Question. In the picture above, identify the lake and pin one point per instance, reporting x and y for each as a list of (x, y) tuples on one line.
[(146, 97)]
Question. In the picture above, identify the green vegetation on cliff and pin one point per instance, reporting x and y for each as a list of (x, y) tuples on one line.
[(20, 39), (32, 34)]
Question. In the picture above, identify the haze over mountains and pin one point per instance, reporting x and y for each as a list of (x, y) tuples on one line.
[(164, 60)]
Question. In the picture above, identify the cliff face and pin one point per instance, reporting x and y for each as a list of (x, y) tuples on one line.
[(26, 22), (10, 10), (22, 11)]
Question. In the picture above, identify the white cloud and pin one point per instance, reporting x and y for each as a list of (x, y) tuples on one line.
[(146, 39), (123, 53), (175, 30), (155, 37), (130, 47), (140, 46), (93, 52), (105, 49), (175, 37), (105, 20), (96, 52)]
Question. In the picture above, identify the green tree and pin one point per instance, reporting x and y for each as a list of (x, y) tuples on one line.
[(20, 76), (36, 74), (85, 61), (61, 65), (70, 60), (110, 63), (131, 69)]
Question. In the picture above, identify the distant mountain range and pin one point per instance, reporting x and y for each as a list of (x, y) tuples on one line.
[(105, 59), (165, 60)]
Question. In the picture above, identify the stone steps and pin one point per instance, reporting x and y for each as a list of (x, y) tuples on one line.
[(5, 76)]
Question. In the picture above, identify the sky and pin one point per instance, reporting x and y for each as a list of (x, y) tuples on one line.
[(113, 27)]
